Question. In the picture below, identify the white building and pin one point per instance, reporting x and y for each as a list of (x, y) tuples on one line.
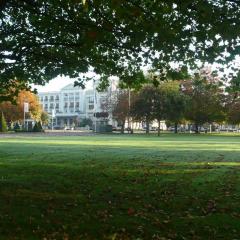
[(72, 104)]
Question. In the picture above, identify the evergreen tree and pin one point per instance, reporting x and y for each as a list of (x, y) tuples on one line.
[(38, 127)]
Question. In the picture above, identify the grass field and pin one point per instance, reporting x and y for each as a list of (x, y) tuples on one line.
[(120, 187)]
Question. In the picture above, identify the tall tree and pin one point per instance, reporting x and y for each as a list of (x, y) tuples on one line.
[(120, 108), (43, 39), (175, 103), (233, 115), (205, 104), (143, 106)]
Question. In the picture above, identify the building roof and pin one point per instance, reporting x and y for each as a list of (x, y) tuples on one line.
[(71, 87)]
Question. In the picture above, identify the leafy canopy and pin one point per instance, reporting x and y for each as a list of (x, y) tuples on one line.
[(43, 39)]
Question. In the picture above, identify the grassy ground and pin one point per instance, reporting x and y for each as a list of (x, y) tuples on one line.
[(120, 187)]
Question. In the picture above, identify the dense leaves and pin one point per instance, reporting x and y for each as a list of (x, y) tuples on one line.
[(121, 107), (43, 39), (206, 103)]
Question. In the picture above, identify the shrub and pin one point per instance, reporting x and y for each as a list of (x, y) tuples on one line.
[(86, 122), (16, 127), (38, 127), (3, 124)]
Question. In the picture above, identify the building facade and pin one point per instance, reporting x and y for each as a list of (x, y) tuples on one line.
[(69, 106)]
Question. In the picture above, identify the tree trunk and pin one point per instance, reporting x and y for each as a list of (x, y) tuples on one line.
[(122, 128), (196, 128), (175, 128), (158, 128), (147, 127)]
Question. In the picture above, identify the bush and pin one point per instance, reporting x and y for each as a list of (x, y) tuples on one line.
[(38, 127), (86, 122), (3, 124), (16, 127)]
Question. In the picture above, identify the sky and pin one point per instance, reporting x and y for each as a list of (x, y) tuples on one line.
[(57, 83)]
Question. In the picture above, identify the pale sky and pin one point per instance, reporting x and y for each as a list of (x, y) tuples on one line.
[(57, 83)]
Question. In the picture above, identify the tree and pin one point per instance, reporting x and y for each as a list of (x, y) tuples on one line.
[(44, 39), (175, 103), (233, 89), (14, 112), (233, 115), (38, 127), (3, 124), (159, 106), (86, 122), (120, 108), (143, 106), (44, 118), (205, 101)]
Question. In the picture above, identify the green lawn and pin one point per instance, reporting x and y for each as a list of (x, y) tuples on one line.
[(120, 187)]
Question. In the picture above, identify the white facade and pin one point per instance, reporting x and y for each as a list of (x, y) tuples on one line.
[(71, 104)]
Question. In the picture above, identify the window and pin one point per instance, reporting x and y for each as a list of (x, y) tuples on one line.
[(90, 100), (103, 102), (57, 105), (90, 106), (57, 98), (52, 98), (45, 107), (77, 97), (71, 96), (46, 98)]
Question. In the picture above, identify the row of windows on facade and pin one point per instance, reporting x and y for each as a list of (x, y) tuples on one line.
[(89, 99), (66, 105), (66, 97)]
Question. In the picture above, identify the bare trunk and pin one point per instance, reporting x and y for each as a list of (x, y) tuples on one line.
[(158, 128), (196, 128), (147, 127), (122, 128), (175, 128)]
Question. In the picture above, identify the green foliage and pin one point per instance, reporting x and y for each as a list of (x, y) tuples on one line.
[(143, 109), (44, 118), (120, 107), (3, 124), (16, 127), (86, 122), (38, 127), (233, 116), (174, 102), (234, 87), (111, 38), (205, 103)]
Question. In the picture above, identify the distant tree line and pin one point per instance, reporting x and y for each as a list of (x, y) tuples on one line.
[(201, 98)]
